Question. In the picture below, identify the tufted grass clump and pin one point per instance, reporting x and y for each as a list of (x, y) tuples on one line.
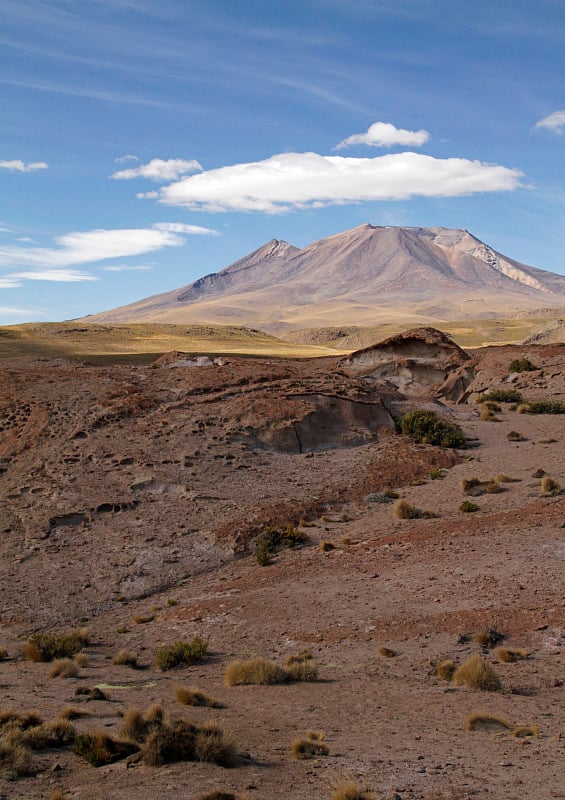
[(511, 654), (64, 668), (15, 760), (501, 396), (427, 428), (544, 407), (126, 658), (100, 749), (301, 667), (549, 487), (191, 696), (489, 637), (526, 731), (3, 654), (468, 507), (386, 652), (404, 510), (445, 669), (488, 412), (326, 547), (475, 673), (254, 672), (309, 747), (481, 721), (516, 436), (180, 654), (42, 647)]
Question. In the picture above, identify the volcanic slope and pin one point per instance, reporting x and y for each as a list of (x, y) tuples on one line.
[(360, 276)]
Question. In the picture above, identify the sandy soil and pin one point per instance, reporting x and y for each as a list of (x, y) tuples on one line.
[(132, 492)]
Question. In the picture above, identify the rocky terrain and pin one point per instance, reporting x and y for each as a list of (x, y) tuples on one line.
[(131, 500)]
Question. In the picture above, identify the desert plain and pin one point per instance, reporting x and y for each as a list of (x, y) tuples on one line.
[(132, 498)]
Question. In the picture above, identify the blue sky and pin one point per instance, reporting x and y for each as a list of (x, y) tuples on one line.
[(144, 144)]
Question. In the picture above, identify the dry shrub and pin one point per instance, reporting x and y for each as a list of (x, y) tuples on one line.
[(180, 654), (72, 712), (125, 658), (404, 510), (468, 507), (525, 731), (217, 795), (141, 619), (445, 669), (477, 674), (215, 745), (549, 487), (511, 654), (135, 726), (349, 791), (64, 668), (57, 795), (386, 652), (100, 749), (191, 696), (515, 436), (479, 721), (489, 637), (325, 547), (60, 733), (15, 760), (471, 486), (488, 413), (3, 654), (493, 487), (503, 478), (254, 672), (81, 660), (310, 747), (47, 646), (304, 670)]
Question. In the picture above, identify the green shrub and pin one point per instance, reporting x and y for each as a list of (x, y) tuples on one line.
[(467, 506), (179, 654), (545, 407), (271, 539), (47, 646), (501, 396), (522, 365), (426, 427)]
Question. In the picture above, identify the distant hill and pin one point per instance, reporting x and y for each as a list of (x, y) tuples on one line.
[(363, 276)]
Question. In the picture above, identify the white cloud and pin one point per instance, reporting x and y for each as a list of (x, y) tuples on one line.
[(159, 170), (308, 180), (384, 134), (554, 122), (86, 247), (126, 158), (147, 195), (127, 268), (17, 312), (180, 227), (20, 166), (9, 282), (58, 275)]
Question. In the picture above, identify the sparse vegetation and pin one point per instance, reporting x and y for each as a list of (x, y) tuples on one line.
[(301, 667), (404, 510), (445, 669), (426, 427), (191, 696), (489, 637), (549, 487), (544, 407), (99, 748), (386, 652), (3, 654), (488, 412), (522, 365), (501, 396), (64, 668), (516, 436), (325, 546), (526, 731), (474, 487), (503, 478), (143, 619), (475, 673), (15, 760), (480, 721), (181, 654), (254, 672), (511, 654), (42, 647), (273, 539), (310, 747), (125, 658), (437, 474), (350, 791), (468, 507)]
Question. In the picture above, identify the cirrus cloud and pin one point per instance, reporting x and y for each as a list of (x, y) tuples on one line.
[(290, 181), (159, 170), (554, 122), (181, 227), (385, 134), (20, 166)]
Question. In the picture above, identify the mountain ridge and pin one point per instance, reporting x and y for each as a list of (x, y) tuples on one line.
[(359, 276)]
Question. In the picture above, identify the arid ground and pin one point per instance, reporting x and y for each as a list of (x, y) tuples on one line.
[(131, 497)]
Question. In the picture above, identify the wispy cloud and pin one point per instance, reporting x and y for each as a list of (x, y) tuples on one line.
[(553, 122), (126, 158), (57, 275), (307, 180), (82, 248), (385, 134), (127, 268), (9, 282), (181, 227), (159, 170), (20, 166)]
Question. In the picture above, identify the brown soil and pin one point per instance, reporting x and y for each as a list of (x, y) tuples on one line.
[(132, 492)]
